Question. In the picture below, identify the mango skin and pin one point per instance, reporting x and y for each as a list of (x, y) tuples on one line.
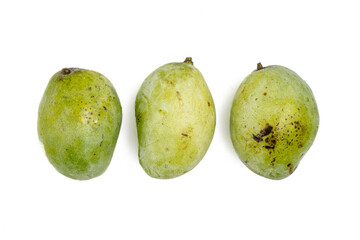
[(79, 121), (175, 117), (273, 122)]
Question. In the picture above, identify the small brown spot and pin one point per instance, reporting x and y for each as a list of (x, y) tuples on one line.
[(265, 93), (209, 104), (179, 97), (105, 108), (184, 134), (170, 82), (300, 145)]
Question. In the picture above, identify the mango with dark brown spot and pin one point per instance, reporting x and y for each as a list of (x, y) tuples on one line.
[(273, 122)]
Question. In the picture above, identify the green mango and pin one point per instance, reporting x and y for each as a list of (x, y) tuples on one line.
[(79, 121), (175, 118), (273, 122)]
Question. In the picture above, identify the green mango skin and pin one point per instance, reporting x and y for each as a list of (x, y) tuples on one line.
[(273, 122), (79, 121), (175, 117)]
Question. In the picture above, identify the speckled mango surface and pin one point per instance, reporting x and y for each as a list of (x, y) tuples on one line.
[(175, 117), (274, 120), (79, 121)]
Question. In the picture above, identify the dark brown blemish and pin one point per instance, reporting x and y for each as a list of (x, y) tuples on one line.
[(102, 139), (256, 138), (273, 162), (184, 134), (265, 93), (209, 104), (291, 168), (269, 147), (105, 108), (264, 132)]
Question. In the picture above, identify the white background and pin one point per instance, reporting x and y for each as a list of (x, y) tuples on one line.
[(220, 198)]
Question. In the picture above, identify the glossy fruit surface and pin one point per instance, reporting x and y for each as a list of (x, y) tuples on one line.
[(79, 121), (273, 122), (175, 117)]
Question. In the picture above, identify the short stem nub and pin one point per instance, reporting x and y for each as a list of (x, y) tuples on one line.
[(66, 71), (189, 60), (259, 66)]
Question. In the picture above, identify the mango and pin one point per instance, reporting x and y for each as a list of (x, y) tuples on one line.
[(175, 119), (79, 120), (274, 121)]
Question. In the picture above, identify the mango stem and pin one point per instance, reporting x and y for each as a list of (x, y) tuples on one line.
[(259, 66), (189, 60)]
